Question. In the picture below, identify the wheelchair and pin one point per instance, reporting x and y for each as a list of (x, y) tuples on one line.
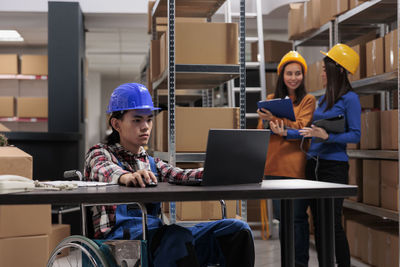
[(80, 250)]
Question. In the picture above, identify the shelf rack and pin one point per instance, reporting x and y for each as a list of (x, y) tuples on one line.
[(22, 77), (376, 211), (373, 154), (378, 83), (193, 76)]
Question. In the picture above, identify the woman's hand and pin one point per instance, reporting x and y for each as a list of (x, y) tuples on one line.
[(278, 128), (139, 178), (265, 114), (314, 131)]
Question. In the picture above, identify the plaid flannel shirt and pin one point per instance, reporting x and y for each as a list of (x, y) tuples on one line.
[(102, 164)]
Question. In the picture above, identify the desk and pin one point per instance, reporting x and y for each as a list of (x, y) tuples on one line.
[(286, 190)]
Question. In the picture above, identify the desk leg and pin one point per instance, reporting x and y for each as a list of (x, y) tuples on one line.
[(327, 231), (287, 233)]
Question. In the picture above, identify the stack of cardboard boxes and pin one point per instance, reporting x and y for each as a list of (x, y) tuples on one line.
[(24, 98), (26, 234)]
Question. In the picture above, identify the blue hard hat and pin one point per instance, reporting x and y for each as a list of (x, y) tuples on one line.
[(130, 96)]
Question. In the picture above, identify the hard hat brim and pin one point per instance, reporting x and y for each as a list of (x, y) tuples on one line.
[(324, 53)]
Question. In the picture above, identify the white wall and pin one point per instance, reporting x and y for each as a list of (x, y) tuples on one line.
[(94, 110), (87, 6)]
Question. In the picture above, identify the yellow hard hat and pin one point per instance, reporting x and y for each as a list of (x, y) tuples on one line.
[(292, 56), (345, 56)]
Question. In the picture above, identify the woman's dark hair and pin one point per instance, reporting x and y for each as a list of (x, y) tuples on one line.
[(113, 138), (281, 90), (337, 83)]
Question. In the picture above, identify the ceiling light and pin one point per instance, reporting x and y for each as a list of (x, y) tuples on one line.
[(10, 36)]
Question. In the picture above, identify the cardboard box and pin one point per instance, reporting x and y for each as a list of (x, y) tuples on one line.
[(32, 107), (273, 50), (370, 130), (24, 220), (370, 102), (391, 51), (389, 197), (355, 177), (204, 210), (371, 182), (29, 251), (35, 88), (389, 129), (155, 60), (7, 106), (203, 43), (192, 125), (271, 78), (361, 70), (34, 64), (326, 12), (389, 248), (339, 7), (294, 17), (375, 57), (58, 233), (390, 172), (15, 161), (351, 146), (354, 3), (312, 15), (352, 228), (3, 128), (9, 87), (8, 64)]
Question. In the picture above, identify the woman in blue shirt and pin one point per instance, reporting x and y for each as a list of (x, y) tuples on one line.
[(327, 158)]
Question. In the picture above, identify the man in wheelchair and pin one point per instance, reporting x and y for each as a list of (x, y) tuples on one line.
[(123, 160)]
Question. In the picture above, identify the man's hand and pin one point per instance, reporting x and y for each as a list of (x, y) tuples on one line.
[(139, 178), (265, 114), (314, 131), (278, 128)]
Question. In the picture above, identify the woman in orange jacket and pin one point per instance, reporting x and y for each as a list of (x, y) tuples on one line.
[(285, 158)]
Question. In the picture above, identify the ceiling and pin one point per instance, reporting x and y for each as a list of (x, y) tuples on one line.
[(116, 44)]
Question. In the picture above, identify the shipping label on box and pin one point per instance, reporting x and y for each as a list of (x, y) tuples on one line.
[(370, 130), (389, 129), (32, 107), (375, 57), (7, 106), (8, 64), (34, 64)]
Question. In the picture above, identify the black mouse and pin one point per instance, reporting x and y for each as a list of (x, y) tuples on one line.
[(151, 184)]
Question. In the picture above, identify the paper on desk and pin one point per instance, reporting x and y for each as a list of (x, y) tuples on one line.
[(74, 183)]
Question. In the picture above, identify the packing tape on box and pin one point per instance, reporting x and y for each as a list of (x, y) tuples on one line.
[(373, 57)]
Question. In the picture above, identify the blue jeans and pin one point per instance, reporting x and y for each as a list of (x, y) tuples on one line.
[(301, 227)]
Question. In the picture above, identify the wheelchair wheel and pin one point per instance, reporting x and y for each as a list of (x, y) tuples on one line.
[(77, 251)]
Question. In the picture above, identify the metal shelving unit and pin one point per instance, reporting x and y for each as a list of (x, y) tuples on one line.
[(373, 154), (22, 77), (376, 211), (373, 15), (193, 76)]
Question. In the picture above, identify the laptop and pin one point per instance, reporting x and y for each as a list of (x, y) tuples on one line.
[(233, 156)]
